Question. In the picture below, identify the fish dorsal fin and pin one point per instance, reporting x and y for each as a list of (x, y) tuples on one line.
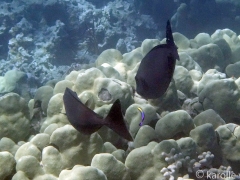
[(169, 35), (115, 121)]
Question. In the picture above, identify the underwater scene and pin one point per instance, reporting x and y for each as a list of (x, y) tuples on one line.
[(119, 89)]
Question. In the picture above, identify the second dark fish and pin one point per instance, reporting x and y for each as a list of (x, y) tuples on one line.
[(87, 121), (156, 69)]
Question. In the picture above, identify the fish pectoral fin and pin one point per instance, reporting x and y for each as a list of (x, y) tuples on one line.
[(115, 121)]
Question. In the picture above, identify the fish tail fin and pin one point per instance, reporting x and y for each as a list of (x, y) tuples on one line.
[(169, 35), (115, 121)]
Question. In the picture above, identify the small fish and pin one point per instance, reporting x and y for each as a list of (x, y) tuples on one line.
[(87, 121), (143, 116), (156, 68)]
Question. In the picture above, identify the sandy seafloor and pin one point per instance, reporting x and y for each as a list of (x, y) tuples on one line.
[(95, 48)]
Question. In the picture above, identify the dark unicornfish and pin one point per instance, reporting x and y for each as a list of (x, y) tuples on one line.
[(156, 69), (87, 121)]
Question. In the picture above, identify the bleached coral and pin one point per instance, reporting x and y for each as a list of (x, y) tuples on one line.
[(47, 155), (82, 173), (171, 143), (105, 162), (174, 125), (7, 163), (14, 117), (221, 94), (10, 80)]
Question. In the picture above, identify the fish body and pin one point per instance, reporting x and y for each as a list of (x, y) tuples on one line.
[(156, 68), (87, 121)]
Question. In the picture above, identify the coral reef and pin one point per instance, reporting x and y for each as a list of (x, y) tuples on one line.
[(198, 133), (192, 128)]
